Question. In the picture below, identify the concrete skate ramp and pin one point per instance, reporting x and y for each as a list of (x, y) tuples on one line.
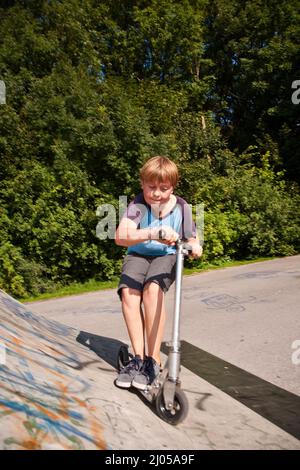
[(44, 387)]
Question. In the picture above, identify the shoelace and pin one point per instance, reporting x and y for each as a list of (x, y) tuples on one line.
[(132, 365), (148, 369)]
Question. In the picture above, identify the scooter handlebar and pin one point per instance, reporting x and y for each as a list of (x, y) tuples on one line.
[(161, 234), (187, 249)]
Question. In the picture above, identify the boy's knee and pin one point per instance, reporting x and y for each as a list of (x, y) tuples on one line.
[(152, 289), (130, 295)]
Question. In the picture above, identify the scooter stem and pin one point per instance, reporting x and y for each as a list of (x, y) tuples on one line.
[(174, 353)]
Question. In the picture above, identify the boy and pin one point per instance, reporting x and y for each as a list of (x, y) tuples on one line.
[(149, 267)]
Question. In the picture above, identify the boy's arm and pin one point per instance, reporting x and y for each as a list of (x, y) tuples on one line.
[(127, 234)]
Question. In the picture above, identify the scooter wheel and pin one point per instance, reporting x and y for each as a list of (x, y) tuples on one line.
[(123, 357), (179, 411)]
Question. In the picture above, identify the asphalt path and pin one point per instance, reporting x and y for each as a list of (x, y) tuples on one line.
[(240, 333)]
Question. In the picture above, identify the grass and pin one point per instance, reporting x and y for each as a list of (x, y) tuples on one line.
[(73, 289), (92, 285), (225, 264)]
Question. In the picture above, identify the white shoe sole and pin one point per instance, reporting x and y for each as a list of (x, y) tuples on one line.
[(122, 384), (139, 386)]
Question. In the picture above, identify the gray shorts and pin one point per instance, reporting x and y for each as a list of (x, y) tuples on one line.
[(137, 270)]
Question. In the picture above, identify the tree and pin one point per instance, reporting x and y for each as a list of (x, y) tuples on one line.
[(254, 46)]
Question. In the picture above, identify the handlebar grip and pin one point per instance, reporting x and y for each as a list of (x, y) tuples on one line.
[(187, 249)]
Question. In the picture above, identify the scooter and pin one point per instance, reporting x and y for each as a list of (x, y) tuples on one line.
[(170, 401)]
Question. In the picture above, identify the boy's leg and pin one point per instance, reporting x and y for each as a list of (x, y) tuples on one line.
[(155, 315), (153, 299), (134, 319)]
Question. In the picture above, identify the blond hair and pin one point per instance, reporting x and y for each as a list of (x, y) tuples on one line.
[(161, 169)]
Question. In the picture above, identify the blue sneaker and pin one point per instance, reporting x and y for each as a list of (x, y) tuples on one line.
[(147, 374), (128, 372)]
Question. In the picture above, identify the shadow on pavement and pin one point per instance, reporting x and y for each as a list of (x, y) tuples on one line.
[(106, 348)]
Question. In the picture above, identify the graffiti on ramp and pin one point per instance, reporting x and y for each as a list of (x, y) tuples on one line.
[(43, 394)]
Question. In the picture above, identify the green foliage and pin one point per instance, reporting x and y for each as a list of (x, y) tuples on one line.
[(95, 88), (10, 257), (249, 212), (254, 47), (50, 227)]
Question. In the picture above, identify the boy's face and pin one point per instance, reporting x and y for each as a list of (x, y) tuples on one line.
[(156, 192)]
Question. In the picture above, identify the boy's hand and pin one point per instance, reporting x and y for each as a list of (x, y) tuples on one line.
[(196, 248), (169, 235)]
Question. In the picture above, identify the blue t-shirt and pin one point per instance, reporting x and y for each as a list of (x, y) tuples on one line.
[(179, 218)]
